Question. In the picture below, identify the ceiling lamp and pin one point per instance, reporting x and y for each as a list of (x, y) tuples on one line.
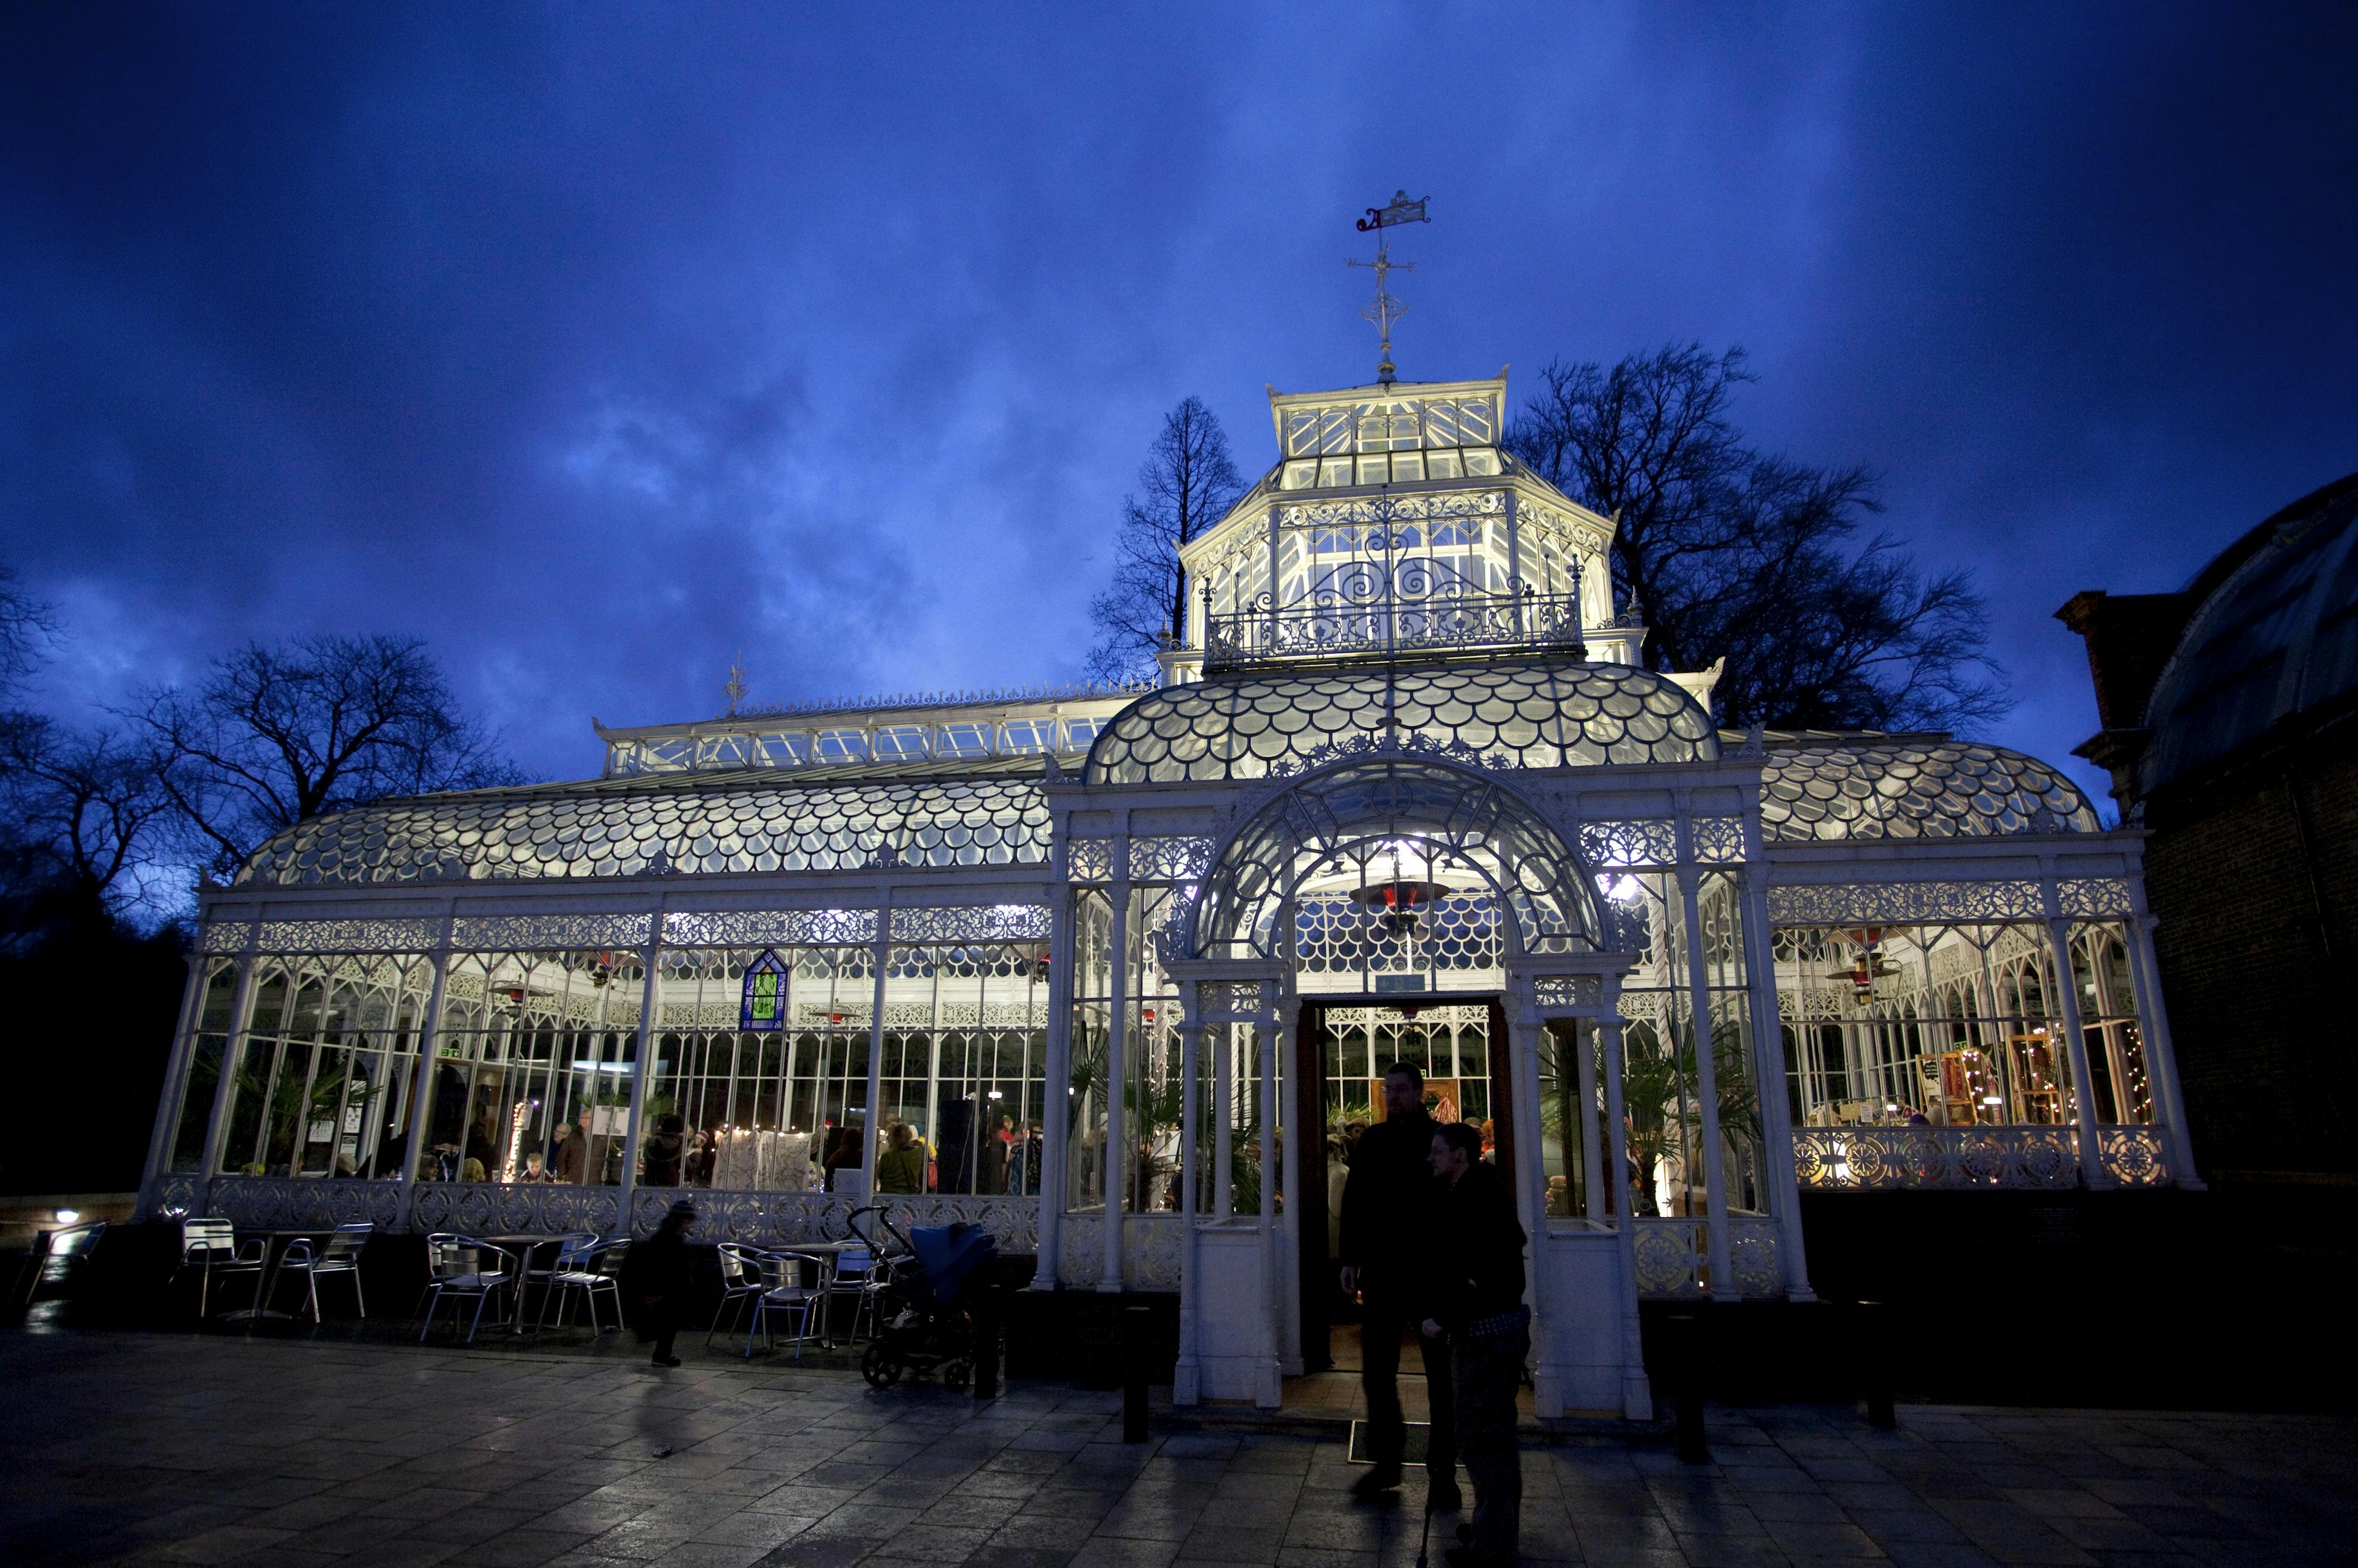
[(1869, 966), (1399, 901)]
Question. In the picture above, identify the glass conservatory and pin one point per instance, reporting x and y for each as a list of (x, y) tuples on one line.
[(1131, 963)]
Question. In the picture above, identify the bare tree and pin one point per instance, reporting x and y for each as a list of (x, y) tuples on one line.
[(91, 803), (1726, 552), (278, 735), (1189, 483)]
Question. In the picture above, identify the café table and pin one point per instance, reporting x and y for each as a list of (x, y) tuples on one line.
[(275, 1242), (521, 1248)]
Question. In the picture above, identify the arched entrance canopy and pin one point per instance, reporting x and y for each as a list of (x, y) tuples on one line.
[(1396, 822)]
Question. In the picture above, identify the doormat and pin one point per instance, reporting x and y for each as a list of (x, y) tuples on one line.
[(1412, 1450)]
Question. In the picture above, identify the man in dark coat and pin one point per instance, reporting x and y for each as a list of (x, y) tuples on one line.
[(1474, 1298), (663, 1280), (1385, 1205)]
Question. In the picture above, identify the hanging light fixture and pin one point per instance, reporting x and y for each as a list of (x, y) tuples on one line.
[(1869, 966), (1399, 901)]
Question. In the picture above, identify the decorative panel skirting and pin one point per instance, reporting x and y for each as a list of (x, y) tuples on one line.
[(1151, 1246), (1080, 1250), (2134, 1156), (1868, 1158), (1674, 1257), (549, 1208)]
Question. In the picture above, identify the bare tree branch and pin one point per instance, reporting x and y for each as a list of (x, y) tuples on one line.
[(278, 735), (1189, 483), (1728, 552)]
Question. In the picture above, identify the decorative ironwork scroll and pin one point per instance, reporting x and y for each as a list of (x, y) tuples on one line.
[(2094, 898), (766, 928), (220, 937), (1169, 859), (976, 923), (550, 933), (1623, 846), (1089, 860), (1568, 991), (386, 934), (1717, 839), (1901, 904)]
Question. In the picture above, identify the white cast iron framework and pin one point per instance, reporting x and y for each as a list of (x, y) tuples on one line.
[(1129, 961)]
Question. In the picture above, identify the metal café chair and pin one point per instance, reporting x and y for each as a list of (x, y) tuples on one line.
[(782, 1291), (592, 1269), (56, 1258), (210, 1246), (461, 1268), (340, 1256), (857, 1272), (572, 1245), (740, 1282)]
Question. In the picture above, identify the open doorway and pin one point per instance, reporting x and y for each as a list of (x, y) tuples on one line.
[(1341, 1052)]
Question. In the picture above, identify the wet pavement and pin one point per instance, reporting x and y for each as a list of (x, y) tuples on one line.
[(214, 1448)]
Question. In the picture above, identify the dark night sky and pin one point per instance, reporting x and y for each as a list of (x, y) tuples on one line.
[(595, 343)]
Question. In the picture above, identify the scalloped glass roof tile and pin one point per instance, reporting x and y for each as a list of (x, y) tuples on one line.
[(598, 830), (1904, 789), (1537, 714)]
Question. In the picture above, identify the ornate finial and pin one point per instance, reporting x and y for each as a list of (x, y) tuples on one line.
[(736, 687), (1384, 309)]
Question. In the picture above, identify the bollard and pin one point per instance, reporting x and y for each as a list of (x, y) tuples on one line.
[(1683, 1345), (1137, 1325), (1874, 1335), (990, 1336)]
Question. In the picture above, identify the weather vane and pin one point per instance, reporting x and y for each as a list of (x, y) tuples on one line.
[(1384, 309), (736, 687)]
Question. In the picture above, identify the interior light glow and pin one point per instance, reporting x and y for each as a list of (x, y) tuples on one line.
[(69, 1217)]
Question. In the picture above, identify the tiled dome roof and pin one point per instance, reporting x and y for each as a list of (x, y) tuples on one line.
[(1906, 789), (599, 830), (1538, 714)]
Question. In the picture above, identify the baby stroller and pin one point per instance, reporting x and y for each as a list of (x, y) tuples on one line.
[(924, 1307)]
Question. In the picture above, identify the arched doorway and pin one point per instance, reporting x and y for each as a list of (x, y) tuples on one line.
[(1376, 893)]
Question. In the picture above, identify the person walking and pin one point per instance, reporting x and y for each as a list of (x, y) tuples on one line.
[(1385, 1204), (1474, 1301), (663, 1280)]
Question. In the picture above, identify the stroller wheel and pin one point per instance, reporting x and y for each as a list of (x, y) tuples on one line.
[(957, 1372), (879, 1365)]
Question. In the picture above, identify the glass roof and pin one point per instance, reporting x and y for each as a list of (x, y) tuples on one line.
[(2280, 636), (604, 831), (1904, 789), (1540, 713)]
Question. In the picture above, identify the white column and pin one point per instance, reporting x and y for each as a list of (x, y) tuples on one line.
[(241, 1011), (1592, 1154), (642, 1068), (2075, 1040), (1637, 1394), (1273, 1041), (2160, 1054), (1768, 1064), (1055, 1109), (1186, 1384), (1224, 1101), (873, 1122), (1117, 1138), (1275, 595), (1714, 1175), (175, 1085), (429, 1038)]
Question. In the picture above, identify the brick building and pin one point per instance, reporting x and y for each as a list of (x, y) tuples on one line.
[(2227, 711)]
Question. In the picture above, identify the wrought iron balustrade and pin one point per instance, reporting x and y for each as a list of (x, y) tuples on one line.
[(1339, 626)]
